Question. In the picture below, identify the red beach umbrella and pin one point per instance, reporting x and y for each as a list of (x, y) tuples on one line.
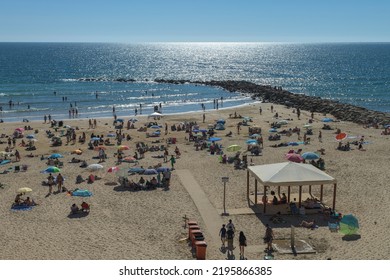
[(341, 136)]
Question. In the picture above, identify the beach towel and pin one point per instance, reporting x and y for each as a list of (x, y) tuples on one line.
[(82, 193), (20, 208)]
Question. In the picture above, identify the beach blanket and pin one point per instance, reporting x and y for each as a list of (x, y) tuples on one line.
[(83, 193), (20, 208)]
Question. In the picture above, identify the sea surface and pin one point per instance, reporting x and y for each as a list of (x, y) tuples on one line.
[(55, 78)]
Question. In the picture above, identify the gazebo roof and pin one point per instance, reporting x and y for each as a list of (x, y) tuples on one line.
[(290, 174)]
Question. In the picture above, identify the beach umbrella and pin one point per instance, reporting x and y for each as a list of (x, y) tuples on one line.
[(307, 125), (341, 136), (129, 159), (5, 161), (155, 127), (162, 169), (24, 190), (98, 148), (233, 148), (255, 135), (294, 158), (150, 172), (30, 136), (221, 121), (133, 120), (349, 224), (56, 156), (273, 130), (95, 139), (155, 114), (136, 170), (214, 139), (52, 169), (327, 120), (282, 122), (113, 169), (123, 148), (111, 135), (251, 141), (94, 167), (119, 120), (20, 129), (310, 156)]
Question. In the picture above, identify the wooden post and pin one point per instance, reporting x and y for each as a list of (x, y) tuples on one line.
[(310, 190), (279, 191), (288, 194), (247, 185), (321, 192), (300, 196), (255, 192), (265, 200), (334, 196)]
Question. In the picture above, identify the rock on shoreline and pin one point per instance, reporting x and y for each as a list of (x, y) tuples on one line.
[(344, 112)]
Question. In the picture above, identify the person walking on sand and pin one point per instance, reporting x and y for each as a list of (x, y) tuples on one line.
[(269, 236), (60, 181), (222, 233), (320, 137), (50, 182), (231, 225), (230, 239), (173, 161), (242, 242)]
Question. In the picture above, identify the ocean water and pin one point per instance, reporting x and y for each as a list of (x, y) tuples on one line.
[(30, 73)]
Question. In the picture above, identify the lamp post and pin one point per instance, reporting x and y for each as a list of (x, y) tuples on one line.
[(224, 180)]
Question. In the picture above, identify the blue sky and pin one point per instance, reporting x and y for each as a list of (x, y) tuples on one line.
[(194, 21)]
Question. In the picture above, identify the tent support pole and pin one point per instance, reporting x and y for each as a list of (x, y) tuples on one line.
[(322, 193), (279, 191), (247, 186), (288, 194), (255, 192), (334, 196), (266, 199), (310, 191), (300, 196)]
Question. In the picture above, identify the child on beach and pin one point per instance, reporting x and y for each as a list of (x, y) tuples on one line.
[(222, 233)]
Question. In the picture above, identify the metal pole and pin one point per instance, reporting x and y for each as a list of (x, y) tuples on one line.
[(224, 198)]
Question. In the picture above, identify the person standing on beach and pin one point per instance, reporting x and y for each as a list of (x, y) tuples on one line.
[(230, 239), (260, 110), (50, 182), (204, 117), (320, 136), (173, 161), (272, 108), (45, 118), (222, 233), (242, 242), (269, 236), (60, 181)]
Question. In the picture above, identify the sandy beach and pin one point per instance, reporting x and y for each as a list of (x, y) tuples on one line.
[(148, 225)]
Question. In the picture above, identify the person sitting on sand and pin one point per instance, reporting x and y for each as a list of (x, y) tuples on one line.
[(141, 181), (85, 207), (74, 208), (18, 199), (75, 160), (30, 202), (283, 199)]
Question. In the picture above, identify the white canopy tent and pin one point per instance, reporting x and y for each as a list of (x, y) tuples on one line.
[(155, 115), (290, 174)]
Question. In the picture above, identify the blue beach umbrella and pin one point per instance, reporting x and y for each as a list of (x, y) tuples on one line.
[(273, 130), (111, 135), (136, 170), (293, 143), (214, 139), (155, 127), (221, 121), (162, 169), (95, 139), (310, 156), (56, 156), (5, 161), (30, 136), (119, 120), (327, 120), (251, 141), (150, 172)]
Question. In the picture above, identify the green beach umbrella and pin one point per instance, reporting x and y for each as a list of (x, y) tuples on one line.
[(349, 224)]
